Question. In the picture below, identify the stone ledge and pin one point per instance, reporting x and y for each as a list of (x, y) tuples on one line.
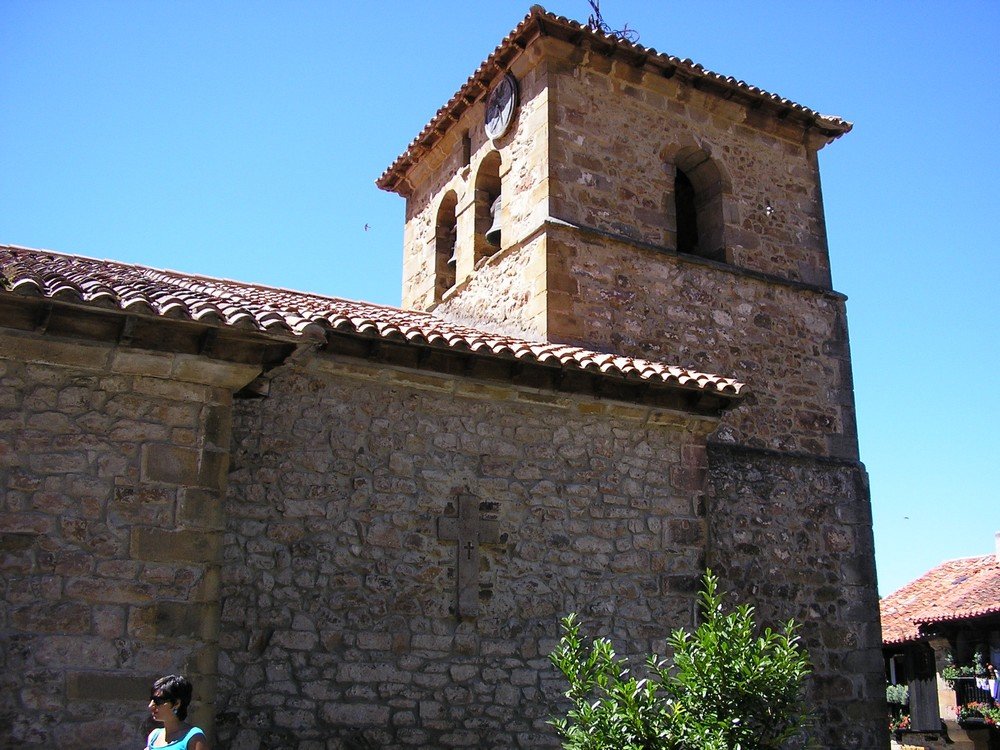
[(52, 352)]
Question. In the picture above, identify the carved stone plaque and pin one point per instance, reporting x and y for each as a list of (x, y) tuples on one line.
[(468, 530)]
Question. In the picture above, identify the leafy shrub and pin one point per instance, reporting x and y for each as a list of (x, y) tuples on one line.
[(727, 687), (898, 695)]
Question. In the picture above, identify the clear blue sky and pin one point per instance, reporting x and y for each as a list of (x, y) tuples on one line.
[(242, 139)]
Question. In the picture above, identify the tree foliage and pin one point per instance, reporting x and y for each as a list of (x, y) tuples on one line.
[(728, 687)]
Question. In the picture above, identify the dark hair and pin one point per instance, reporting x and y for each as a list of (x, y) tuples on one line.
[(175, 688)]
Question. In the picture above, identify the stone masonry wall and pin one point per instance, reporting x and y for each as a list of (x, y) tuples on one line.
[(338, 613), (524, 181), (789, 344), (793, 536), (614, 128), (498, 299), (111, 471)]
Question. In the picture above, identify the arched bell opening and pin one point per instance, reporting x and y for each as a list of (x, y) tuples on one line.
[(489, 230), (445, 245), (697, 203)]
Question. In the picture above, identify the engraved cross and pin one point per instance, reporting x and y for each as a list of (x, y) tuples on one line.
[(468, 530)]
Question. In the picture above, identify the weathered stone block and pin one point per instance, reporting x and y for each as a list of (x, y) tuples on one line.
[(105, 686), (50, 351), (133, 361), (175, 546), (355, 714), (170, 464), (184, 620), (213, 372), (213, 468), (200, 508), (109, 591), (52, 617)]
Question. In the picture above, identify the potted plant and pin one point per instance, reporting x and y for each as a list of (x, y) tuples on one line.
[(951, 671), (898, 725), (975, 714)]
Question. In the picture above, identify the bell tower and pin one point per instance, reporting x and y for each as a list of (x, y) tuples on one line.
[(641, 205), (652, 208)]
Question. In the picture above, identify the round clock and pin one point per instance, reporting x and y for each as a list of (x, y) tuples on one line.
[(500, 107)]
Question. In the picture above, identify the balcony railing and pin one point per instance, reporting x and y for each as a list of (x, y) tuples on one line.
[(971, 690)]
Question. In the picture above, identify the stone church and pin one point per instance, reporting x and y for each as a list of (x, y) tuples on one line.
[(358, 526)]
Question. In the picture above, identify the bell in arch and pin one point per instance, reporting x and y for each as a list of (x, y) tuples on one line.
[(453, 244), (493, 233)]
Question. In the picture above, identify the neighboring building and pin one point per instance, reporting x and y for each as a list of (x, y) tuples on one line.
[(947, 617), (358, 526)]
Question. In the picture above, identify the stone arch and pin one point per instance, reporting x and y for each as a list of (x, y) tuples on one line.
[(445, 244), (700, 189), (487, 192)]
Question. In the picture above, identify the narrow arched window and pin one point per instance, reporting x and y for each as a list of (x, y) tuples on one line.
[(687, 214), (488, 203), (445, 245), (699, 190)]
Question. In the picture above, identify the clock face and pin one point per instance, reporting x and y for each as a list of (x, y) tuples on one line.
[(500, 107)]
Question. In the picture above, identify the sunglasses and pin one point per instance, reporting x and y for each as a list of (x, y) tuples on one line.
[(159, 700)]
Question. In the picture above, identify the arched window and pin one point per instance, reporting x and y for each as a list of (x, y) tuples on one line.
[(687, 214), (488, 204), (445, 245), (699, 188)]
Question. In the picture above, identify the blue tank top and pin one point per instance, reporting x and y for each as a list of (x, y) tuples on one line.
[(180, 744)]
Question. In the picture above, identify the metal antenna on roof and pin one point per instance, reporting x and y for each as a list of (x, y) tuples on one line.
[(595, 22)]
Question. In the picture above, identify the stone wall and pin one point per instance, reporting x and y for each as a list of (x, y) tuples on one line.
[(497, 299), (524, 179), (339, 595), (787, 342), (112, 466), (792, 535), (616, 128)]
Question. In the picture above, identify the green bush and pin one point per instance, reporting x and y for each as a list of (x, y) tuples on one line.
[(728, 687), (898, 695)]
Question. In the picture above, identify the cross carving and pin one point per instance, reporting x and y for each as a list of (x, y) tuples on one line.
[(468, 530)]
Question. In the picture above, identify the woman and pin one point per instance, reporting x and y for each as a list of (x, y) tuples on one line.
[(168, 703)]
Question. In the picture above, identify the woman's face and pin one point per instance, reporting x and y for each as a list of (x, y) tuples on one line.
[(160, 706)]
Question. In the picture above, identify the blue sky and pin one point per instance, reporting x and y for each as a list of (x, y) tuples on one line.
[(242, 140)]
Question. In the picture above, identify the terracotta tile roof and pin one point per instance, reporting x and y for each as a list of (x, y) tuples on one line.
[(955, 590), (169, 294), (540, 22)]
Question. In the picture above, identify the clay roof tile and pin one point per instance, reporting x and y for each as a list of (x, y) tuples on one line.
[(147, 291), (955, 590)]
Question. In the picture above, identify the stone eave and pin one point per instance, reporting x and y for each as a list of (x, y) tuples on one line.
[(531, 374), (82, 322), (39, 316), (541, 23)]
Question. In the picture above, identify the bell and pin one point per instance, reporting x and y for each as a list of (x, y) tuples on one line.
[(453, 241), (493, 233)]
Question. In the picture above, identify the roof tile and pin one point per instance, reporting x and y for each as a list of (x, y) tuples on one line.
[(148, 291), (955, 590)]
